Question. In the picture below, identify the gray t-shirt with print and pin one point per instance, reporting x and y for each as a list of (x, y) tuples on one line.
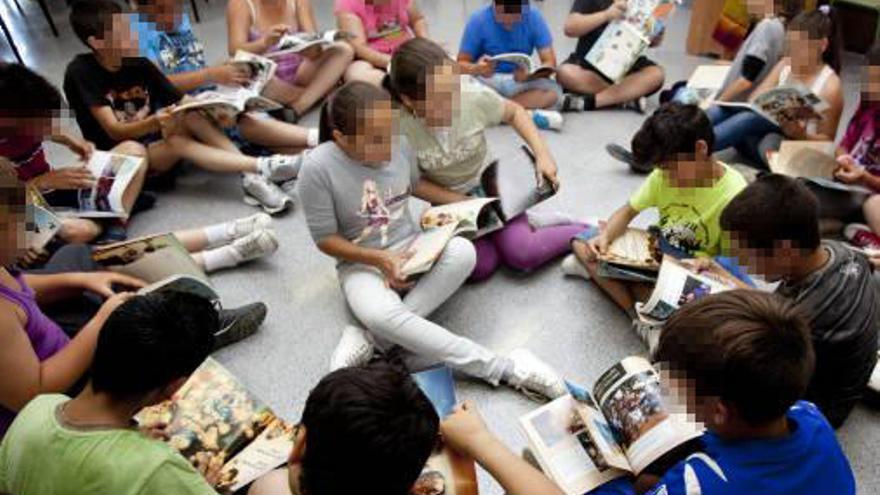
[(767, 43), (368, 206)]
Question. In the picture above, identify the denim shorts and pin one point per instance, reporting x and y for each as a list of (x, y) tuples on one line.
[(508, 87)]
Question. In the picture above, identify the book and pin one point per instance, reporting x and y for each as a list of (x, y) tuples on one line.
[(182, 283), (633, 256), (446, 472), (41, 226), (300, 42), (261, 69), (813, 161), (678, 283), (213, 420), (706, 83), (152, 259), (623, 41), (225, 102), (535, 71), (583, 440), (113, 174), (787, 102)]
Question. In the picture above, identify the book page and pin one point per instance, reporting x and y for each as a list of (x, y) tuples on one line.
[(567, 450), (269, 450), (448, 473), (464, 214), (631, 399), (438, 385), (520, 59), (150, 259), (426, 247), (41, 226), (113, 174), (793, 102), (805, 159), (262, 69), (707, 81), (634, 248), (677, 285), (617, 49)]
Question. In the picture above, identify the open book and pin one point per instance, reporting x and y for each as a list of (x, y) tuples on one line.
[(525, 61), (224, 103), (213, 420), (446, 472), (623, 41), (812, 160), (790, 102), (705, 84), (300, 42), (678, 284), (632, 256), (585, 440), (261, 69), (152, 259), (41, 226), (113, 174)]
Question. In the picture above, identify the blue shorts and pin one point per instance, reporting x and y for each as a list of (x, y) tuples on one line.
[(508, 87)]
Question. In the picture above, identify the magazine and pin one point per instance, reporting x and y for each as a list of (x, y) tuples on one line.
[(113, 174), (151, 259), (584, 440), (226, 102), (214, 421), (261, 69), (789, 102), (678, 283), (446, 472), (41, 226), (623, 41), (300, 42), (525, 61), (813, 161), (706, 83), (633, 256)]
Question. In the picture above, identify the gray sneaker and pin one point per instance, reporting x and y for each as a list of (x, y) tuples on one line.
[(255, 245), (624, 155), (239, 323), (280, 168), (260, 191)]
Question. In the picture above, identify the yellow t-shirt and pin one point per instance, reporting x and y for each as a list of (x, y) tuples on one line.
[(689, 216)]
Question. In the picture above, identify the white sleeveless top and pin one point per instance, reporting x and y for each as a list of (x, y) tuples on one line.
[(816, 88)]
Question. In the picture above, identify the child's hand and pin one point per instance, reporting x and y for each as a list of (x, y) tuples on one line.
[(846, 160), (795, 129), (102, 283), (69, 178), (273, 35), (169, 121), (81, 147), (391, 264), (545, 169), (229, 74), (464, 428), (616, 11), (33, 256), (849, 172), (485, 66), (111, 304), (521, 74), (597, 246)]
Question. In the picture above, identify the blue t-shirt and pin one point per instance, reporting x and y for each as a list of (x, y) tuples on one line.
[(172, 51), (484, 35)]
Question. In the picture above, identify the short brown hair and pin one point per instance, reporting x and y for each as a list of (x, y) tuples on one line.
[(750, 348)]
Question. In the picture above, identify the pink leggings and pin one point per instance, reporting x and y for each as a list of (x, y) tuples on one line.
[(521, 247)]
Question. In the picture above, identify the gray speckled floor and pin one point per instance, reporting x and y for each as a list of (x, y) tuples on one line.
[(563, 320)]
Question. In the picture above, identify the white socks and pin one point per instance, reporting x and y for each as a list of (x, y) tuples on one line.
[(221, 257)]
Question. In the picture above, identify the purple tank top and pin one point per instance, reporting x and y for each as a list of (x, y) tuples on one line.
[(46, 337), (288, 63)]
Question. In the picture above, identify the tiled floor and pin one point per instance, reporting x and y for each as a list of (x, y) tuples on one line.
[(565, 321)]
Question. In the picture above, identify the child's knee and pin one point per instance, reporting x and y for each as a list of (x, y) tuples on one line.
[(871, 206), (130, 148), (79, 231), (461, 252), (358, 70), (343, 51)]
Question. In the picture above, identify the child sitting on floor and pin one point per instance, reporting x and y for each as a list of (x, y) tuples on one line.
[(117, 95), (742, 360), (369, 429), (772, 227), (85, 445), (688, 187), (512, 26)]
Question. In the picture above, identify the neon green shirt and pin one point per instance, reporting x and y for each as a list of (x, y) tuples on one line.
[(689, 216), (40, 456)]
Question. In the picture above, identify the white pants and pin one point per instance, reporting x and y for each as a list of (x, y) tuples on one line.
[(402, 321)]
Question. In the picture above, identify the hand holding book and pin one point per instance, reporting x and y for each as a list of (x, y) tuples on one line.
[(391, 264)]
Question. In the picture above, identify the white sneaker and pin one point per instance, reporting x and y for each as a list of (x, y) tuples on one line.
[(572, 267), (355, 348), (649, 333), (279, 168), (259, 191), (548, 119), (255, 245), (237, 229), (289, 188), (535, 377)]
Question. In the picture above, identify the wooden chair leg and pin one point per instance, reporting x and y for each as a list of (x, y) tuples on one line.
[(48, 16), (9, 40), (195, 10)]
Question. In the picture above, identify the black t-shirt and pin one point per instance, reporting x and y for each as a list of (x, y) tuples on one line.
[(586, 42), (134, 92)]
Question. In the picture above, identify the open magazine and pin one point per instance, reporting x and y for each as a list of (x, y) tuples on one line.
[(525, 61), (447, 472), (789, 102), (213, 420), (41, 227), (152, 259), (704, 85), (585, 440), (632, 256), (811, 160), (625, 40), (300, 42), (113, 174), (261, 69), (678, 283)]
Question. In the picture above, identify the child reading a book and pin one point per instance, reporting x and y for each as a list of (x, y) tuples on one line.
[(146, 350), (35, 354), (29, 108), (369, 429), (166, 37), (118, 96), (355, 189), (445, 117), (688, 187), (512, 26), (832, 284), (379, 28), (589, 89), (743, 360), (813, 59), (302, 79)]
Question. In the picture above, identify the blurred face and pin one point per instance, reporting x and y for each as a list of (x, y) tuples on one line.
[(166, 13), (119, 42), (13, 241), (31, 127), (689, 169), (871, 83), (804, 51), (510, 12), (770, 264), (373, 142), (442, 97)]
